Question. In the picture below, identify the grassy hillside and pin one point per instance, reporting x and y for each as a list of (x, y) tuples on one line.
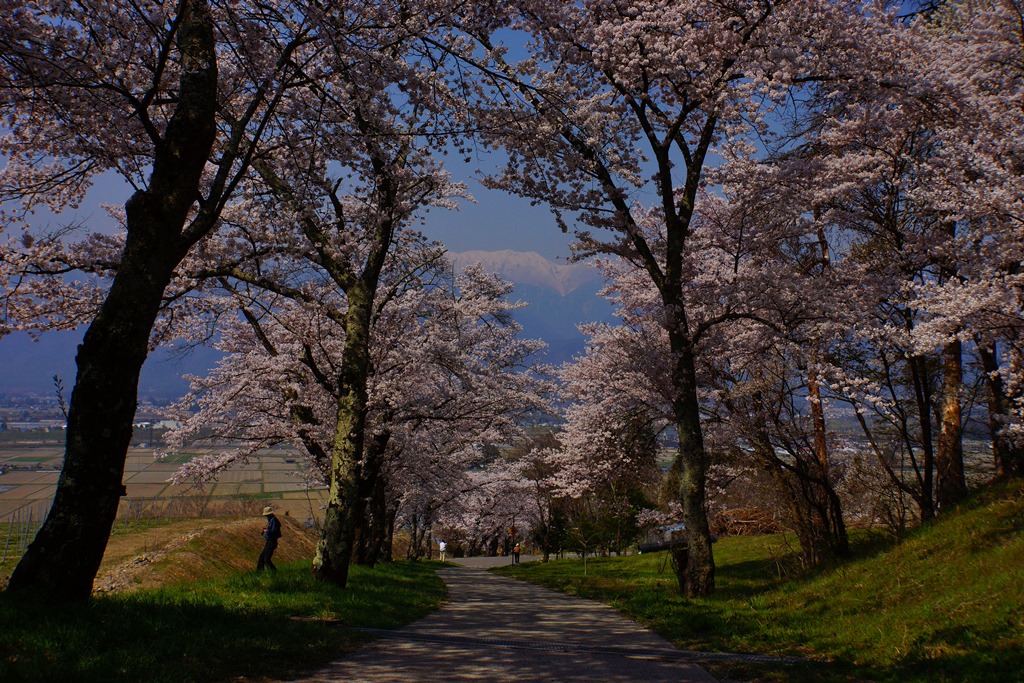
[(196, 549), (947, 604), (196, 610), (159, 553)]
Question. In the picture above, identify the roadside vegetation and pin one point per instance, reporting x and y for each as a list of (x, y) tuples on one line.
[(945, 604), (227, 624)]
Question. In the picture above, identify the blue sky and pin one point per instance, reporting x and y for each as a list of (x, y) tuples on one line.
[(496, 221), (499, 221)]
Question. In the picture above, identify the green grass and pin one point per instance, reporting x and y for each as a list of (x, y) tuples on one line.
[(177, 458), (947, 604), (248, 625)]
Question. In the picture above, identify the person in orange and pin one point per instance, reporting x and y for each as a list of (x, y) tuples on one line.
[(515, 554)]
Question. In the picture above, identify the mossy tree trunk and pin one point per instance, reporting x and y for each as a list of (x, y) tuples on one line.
[(698, 572), (62, 561), (337, 541)]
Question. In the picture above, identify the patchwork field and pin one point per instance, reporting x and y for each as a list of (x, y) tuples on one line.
[(28, 479)]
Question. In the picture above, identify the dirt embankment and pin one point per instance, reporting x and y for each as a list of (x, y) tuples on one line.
[(196, 549)]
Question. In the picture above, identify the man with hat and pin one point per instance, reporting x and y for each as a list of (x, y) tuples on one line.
[(271, 533)]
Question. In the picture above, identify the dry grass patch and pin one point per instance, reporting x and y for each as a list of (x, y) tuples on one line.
[(196, 549)]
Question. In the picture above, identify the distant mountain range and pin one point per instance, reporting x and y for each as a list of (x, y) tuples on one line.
[(530, 268), (560, 296)]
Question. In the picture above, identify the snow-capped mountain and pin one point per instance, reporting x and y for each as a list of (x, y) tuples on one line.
[(560, 296), (530, 268)]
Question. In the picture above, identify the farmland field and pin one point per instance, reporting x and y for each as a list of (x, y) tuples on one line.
[(29, 472)]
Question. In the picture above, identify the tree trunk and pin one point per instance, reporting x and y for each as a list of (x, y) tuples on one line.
[(818, 489), (812, 505), (1008, 456), (420, 528), (699, 569), (337, 542), (372, 522), (378, 534), (680, 562), (62, 561), (950, 485), (389, 541), (818, 421), (410, 552), (798, 515), (923, 397)]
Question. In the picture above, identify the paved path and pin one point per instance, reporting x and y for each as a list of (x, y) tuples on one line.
[(497, 629)]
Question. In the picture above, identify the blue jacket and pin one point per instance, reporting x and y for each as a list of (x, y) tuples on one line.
[(273, 530)]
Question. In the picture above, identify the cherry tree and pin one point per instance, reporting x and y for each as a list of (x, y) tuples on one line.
[(914, 243), (170, 97), (533, 474), (345, 182), (465, 381), (760, 371), (748, 366), (905, 163), (481, 509), (974, 51), (912, 166), (854, 179), (675, 80), (90, 93), (620, 388), (298, 84), (447, 371)]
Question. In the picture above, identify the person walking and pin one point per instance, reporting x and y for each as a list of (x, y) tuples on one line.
[(442, 549), (515, 554), (271, 532)]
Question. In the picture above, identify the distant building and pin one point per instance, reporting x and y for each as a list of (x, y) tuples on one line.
[(155, 424)]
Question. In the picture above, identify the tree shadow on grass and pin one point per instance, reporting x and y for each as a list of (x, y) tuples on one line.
[(243, 628), (123, 640)]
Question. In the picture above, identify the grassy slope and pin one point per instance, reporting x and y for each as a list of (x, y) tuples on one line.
[(213, 619), (945, 605), (161, 553), (196, 549)]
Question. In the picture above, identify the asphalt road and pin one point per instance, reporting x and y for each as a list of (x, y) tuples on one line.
[(498, 629)]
